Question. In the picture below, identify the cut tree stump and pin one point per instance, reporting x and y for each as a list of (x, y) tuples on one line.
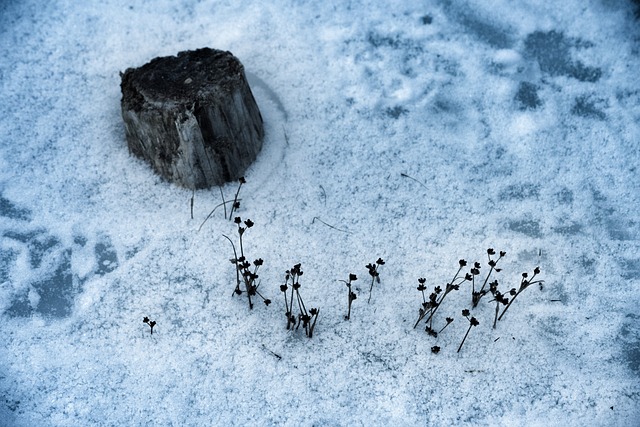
[(192, 117)]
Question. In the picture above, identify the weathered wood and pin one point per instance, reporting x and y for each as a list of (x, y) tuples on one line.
[(192, 117)]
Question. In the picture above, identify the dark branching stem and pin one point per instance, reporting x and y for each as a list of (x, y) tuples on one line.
[(351, 296), (449, 321), (305, 318), (472, 322), (524, 284), (315, 312), (151, 323), (375, 274), (476, 296), (244, 272), (236, 202), (498, 298), (426, 306), (454, 285)]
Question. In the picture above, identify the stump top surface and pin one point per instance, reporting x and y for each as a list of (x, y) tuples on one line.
[(184, 78)]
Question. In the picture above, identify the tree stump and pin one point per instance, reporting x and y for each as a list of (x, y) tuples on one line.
[(192, 117)]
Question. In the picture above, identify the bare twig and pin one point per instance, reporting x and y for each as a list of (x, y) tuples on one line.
[(329, 225), (404, 175)]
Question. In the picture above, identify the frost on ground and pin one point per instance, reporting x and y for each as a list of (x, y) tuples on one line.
[(420, 134)]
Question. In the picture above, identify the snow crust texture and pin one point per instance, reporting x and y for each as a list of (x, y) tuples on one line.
[(419, 132)]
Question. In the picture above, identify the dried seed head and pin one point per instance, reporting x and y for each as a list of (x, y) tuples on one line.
[(462, 263)]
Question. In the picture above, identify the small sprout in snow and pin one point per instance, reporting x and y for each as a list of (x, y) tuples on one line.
[(151, 323), (375, 274)]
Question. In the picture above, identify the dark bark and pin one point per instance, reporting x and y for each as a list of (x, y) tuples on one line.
[(192, 117)]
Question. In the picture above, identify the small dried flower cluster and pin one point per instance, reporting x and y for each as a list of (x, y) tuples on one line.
[(431, 304), (151, 323), (524, 284), (472, 322), (475, 271), (306, 318), (351, 296), (430, 307), (246, 272), (375, 274)]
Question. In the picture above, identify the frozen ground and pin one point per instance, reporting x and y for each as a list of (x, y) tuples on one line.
[(423, 132)]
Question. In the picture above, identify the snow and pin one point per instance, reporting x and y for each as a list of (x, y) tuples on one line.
[(422, 133)]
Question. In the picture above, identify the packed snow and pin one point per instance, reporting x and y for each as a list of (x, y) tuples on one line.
[(421, 133)]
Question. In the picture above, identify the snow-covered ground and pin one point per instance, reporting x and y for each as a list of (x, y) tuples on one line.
[(419, 132)]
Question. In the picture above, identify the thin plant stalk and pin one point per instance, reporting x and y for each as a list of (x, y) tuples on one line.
[(211, 213), (472, 322), (223, 204), (235, 261), (235, 203), (450, 287), (524, 284)]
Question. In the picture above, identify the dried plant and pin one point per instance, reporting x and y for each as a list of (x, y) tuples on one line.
[(151, 323), (475, 271), (351, 296), (246, 272), (524, 284), (375, 274), (306, 318), (430, 307), (472, 322), (235, 204)]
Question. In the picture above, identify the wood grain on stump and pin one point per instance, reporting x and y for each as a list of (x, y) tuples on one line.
[(192, 117)]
